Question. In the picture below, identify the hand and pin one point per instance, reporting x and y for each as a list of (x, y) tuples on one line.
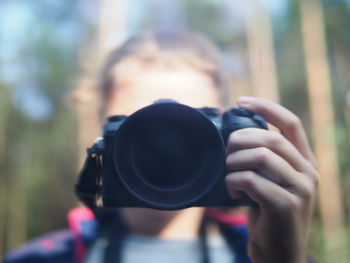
[(277, 170)]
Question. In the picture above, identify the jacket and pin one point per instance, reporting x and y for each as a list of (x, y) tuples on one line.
[(70, 246)]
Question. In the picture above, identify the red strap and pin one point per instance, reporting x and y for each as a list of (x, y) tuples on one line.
[(226, 218), (75, 217)]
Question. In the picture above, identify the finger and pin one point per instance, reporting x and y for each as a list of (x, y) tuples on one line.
[(283, 119), (265, 162), (274, 168), (259, 189), (254, 138)]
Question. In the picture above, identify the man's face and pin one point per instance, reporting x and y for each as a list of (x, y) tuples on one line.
[(134, 91)]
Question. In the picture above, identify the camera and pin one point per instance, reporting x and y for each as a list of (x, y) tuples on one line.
[(164, 156)]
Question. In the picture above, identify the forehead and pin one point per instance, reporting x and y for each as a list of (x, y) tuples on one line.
[(136, 89)]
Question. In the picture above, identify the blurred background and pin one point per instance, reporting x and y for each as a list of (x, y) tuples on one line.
[(292, 51)]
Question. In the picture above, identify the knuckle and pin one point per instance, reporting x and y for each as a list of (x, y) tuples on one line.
[(247, 180), (315, 177), (291, 204), (294, 122), (262, 156), (308, 191), (274, 139)]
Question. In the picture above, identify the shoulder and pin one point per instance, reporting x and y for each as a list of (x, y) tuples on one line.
[(53, 247), (65, 246)]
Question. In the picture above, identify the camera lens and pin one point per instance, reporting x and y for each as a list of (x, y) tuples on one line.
[(168, 155)]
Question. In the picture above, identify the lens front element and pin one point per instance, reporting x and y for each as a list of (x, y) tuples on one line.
[(168, 155)]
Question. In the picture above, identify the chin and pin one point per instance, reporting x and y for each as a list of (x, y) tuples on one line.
[(149, 213), (132, 213)]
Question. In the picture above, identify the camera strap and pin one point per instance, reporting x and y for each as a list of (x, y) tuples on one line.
[(87, 187)]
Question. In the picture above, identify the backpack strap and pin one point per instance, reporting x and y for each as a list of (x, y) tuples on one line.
[(226, 218), (234, 229), (83, 225)]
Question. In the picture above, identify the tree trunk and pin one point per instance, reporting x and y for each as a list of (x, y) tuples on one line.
[(319, 86), (261, 51), (110, 29)]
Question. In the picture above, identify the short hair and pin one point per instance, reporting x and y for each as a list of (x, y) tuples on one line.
[(168, 48)]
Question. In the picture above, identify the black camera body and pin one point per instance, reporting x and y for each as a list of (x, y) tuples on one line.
[(165, 156)]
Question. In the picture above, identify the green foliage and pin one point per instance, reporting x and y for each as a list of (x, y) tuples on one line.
[(337, 17), (39, 168), (206, 17), (38, 155)]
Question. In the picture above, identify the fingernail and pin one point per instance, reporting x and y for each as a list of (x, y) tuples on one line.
[(244, 101)]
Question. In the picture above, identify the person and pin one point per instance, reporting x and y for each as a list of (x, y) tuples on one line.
[(274, 168)]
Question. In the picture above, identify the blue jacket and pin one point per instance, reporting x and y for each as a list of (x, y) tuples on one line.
[(69, 246)]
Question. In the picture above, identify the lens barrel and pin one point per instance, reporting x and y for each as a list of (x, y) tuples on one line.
[(168, 155)]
